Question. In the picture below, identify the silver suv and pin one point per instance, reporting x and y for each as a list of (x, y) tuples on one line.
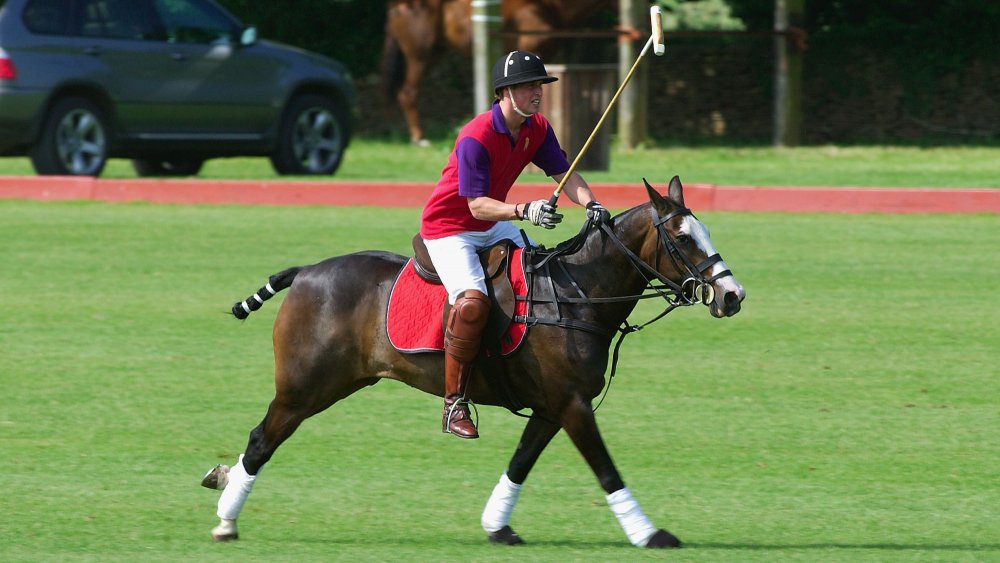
[(166, 83)]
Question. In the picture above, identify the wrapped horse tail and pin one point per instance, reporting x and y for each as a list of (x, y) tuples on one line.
[(276, 283)]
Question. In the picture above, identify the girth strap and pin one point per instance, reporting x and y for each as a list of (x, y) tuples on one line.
[(566, 323)]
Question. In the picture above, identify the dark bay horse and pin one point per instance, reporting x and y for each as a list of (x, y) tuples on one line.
[(417, 32), (330, 340)]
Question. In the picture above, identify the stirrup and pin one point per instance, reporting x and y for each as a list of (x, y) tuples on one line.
[(451, 411)]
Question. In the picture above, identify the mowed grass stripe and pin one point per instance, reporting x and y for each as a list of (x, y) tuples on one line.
[(848, 413)]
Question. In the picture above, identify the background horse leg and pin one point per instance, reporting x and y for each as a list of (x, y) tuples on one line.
[(496, 516), (407, 98), (581, 427), (414, 26)]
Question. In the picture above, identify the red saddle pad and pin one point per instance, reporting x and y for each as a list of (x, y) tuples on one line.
[(416, 308)]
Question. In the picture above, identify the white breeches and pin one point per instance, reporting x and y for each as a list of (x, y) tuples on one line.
[(456, 257)]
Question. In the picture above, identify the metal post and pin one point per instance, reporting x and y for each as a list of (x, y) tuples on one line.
[(787, 74), (632, 14), (486, 22)]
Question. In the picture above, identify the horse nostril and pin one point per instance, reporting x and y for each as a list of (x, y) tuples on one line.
[(732, 301)]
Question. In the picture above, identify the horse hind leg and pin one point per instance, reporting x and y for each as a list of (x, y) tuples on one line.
[(282, 419), (237, 482)]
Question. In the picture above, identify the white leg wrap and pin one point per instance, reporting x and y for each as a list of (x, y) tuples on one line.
[(637, 527), (236, 492), (496, 515)]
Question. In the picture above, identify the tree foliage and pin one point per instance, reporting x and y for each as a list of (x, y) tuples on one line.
[(942, 30), (936, 34), (349, 31), (699, 15), (924, 41)]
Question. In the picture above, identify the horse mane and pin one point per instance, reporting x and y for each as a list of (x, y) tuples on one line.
[(586, 237)]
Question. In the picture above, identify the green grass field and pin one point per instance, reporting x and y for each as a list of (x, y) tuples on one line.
[(849, 413), (936, 167)]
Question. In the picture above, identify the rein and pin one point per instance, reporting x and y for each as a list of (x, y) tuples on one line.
[(676, 295)]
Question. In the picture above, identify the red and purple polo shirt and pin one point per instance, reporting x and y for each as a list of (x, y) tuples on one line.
[(486, 161)]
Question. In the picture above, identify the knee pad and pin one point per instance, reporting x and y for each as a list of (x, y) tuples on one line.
[(466, 322)]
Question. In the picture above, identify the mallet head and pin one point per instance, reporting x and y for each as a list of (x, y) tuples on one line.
[(656, 22)]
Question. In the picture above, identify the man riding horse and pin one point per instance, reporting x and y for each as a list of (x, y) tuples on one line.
[(467, 211)]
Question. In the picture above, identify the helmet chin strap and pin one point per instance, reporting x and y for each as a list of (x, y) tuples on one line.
[(517, 109)]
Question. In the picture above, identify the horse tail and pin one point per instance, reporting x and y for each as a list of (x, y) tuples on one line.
[(393, 67), (278, 282)]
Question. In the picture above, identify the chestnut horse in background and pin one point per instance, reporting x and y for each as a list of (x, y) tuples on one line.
[(418, 32)]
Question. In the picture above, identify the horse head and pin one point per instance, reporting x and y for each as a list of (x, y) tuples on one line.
[(680, 251)]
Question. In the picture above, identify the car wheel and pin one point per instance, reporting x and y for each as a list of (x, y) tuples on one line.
[(156, 167), (312, 137), (73, 141)]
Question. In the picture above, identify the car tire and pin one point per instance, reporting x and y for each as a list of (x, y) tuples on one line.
[(312, 137), (74, 140), (167, 168)]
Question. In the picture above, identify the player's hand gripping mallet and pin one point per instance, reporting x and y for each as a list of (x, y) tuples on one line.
[(656, 40)]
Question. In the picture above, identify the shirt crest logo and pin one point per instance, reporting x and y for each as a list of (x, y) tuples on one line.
[(527, 141)]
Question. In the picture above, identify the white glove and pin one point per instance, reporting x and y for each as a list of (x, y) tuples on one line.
[(540, 213)]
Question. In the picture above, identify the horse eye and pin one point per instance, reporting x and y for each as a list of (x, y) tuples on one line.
[(683, 239)]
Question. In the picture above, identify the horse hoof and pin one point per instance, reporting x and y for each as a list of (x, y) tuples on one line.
[(225, 531), (422, 143), (217, 478), (506, 536), (662, 539), (225, 537)]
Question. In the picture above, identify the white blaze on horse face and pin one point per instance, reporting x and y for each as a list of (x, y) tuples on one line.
[(698, 232)]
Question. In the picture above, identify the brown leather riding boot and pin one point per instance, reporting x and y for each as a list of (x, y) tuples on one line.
[(462, 336)]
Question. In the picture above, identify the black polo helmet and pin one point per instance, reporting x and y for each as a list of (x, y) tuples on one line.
[(519, 67)]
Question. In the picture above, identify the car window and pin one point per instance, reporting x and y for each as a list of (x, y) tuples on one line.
[(120, 19), (191, 21), (47, 17)]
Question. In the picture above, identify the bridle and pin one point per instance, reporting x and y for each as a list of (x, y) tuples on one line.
[(695, 288)]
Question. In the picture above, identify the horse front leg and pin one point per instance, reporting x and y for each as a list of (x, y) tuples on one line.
[(581, 427), (496, 515)]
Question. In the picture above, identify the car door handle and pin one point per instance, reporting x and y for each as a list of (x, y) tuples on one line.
[(93, 50), (178, 56)]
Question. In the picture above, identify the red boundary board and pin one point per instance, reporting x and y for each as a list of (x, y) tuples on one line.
[(700, 197)]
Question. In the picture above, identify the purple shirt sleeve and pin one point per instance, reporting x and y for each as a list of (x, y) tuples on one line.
[(550, 156), (473, 168)]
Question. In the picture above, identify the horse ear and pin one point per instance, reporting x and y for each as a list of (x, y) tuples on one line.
[(654, 196), (676, 191)]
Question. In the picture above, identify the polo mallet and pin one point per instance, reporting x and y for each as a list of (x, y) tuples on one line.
[(656, 40)]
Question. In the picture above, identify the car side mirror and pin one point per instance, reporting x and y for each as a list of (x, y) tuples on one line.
[(248, 36)]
